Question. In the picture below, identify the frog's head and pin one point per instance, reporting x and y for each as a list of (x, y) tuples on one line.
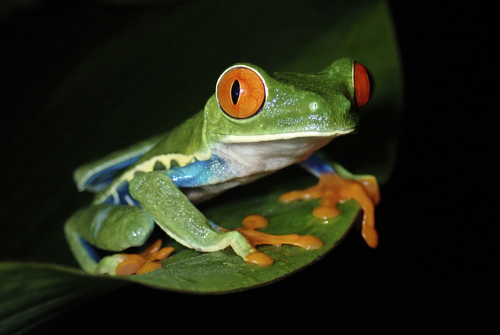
[(251, 105)]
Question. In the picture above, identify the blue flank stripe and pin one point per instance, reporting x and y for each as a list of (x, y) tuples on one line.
[(195, 174), (198, 173), (110, 200), (123, 192), (317, 165), (90, 250), (123, 195), (103, 178)]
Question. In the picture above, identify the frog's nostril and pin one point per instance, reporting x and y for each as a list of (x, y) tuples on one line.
[(313, 106)]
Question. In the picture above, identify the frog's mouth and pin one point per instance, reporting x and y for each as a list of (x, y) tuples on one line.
[(283, 136)]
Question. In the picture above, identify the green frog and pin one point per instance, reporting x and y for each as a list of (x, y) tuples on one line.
[(255, 124)]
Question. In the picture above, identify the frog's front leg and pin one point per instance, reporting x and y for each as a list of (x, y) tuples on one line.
[(108, 227), (177, 216)]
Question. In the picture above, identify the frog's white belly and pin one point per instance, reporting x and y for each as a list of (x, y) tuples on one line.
[(246, 162)]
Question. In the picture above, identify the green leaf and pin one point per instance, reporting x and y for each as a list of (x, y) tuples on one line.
[(35, 292), (224, 271), (31, 293), (132, 72)]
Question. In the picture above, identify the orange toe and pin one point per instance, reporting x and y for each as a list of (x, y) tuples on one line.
[(259, 258)]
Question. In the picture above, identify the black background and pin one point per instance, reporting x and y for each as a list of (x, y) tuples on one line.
[(423, 277)]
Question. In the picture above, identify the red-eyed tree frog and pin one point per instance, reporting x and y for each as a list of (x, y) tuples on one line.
[(255, 124)]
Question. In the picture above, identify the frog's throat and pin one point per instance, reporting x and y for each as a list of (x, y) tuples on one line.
[(283, 136)]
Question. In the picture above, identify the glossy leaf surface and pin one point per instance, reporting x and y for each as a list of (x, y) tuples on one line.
[(133, 73)]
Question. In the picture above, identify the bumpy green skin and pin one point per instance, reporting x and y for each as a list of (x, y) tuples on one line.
[(101, 225), (287, 107), (187, 138), (307, 110), (117, 218), (173, 212)]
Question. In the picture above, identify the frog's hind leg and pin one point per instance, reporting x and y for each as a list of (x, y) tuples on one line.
[(108, 227)]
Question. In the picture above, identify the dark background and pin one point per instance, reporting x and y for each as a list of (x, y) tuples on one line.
[(423, 277)]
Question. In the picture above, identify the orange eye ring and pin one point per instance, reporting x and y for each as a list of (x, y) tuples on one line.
[(240, 92), (364, 85)]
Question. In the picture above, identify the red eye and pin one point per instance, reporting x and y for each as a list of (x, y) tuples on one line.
[(364, 85), (241, 92)]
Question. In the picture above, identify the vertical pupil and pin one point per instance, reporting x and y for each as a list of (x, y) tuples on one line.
[(235, 92)]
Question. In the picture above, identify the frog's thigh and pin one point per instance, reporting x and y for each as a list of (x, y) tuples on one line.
[(108, 227), (180, 219), (112, 227)]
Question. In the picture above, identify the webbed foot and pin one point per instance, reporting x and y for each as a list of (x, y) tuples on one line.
[(252, 222), (145, 262), (334, 189)]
